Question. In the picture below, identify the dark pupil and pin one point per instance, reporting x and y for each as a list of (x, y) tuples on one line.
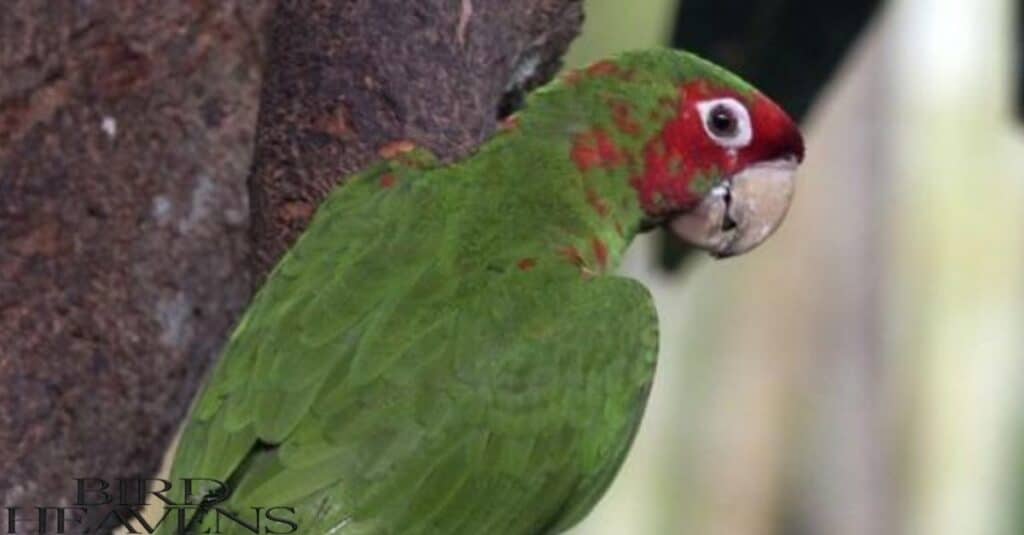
[(722, 122)]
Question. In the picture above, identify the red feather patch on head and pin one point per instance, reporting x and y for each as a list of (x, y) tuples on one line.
[(684, 152)]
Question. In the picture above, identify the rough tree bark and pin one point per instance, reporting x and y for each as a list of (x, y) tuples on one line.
[(346, 80), (125, 135)]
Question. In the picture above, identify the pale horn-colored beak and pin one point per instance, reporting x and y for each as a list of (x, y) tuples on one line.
[(741, 213)]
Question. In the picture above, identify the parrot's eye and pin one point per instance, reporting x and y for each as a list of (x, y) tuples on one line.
[(722, 122), (727, 122)]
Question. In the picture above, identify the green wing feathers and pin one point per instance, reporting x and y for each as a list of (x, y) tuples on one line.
[(376, 389)]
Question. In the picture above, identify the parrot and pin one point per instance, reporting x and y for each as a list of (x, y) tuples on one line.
[(448, 348)]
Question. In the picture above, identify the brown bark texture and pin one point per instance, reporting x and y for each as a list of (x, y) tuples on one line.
[(127, 131), (348, 81)]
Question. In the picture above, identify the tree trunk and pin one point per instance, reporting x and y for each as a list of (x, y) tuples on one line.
[(125, 135), (347, 79), (125, 132)]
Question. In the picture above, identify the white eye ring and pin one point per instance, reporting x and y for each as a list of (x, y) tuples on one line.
[(736, 136)]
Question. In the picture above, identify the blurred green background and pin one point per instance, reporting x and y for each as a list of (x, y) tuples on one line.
[(860, 373)]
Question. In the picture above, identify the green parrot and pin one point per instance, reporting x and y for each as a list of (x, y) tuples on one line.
[(447, 348)]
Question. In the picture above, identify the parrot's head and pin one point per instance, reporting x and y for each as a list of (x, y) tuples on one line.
[(719, 169)]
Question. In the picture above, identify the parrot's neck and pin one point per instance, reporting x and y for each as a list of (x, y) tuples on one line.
[(611, 216), (598, 135)]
